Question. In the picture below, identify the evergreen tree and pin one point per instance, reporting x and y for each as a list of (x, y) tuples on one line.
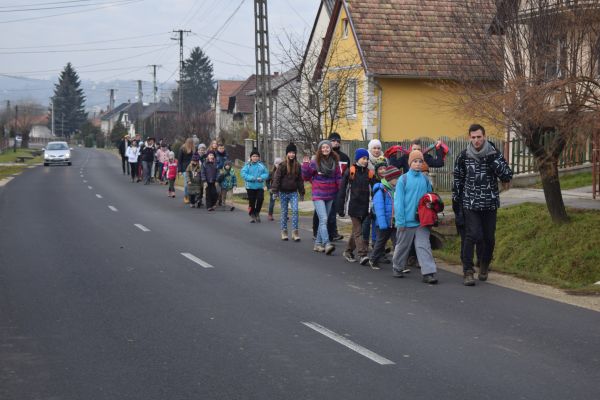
[(69, 103), (197, 83)]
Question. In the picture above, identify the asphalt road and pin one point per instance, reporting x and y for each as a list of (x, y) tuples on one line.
[(100, 303)]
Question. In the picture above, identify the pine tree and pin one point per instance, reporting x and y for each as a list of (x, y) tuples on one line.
[(69, 103), (197, 83)]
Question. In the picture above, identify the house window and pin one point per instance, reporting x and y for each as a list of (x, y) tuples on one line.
[(334, 99), (345, 28), (552, 58), (351, 107)]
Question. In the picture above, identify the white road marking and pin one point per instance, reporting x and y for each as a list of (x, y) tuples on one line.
[(98, 195), (113, 208), (31, 166), (349, 344), (142, 228), (198, 261), (89, 187), (84, 181), (5, 180)]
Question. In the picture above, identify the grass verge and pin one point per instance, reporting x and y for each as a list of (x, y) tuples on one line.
[(573, 181), (9, 156), (530, 246), (6, 171)]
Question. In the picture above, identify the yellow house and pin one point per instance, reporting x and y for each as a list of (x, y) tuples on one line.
[(386, 66)]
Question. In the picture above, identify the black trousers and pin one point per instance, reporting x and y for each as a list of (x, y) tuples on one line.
[(383, 235), (134, 169), (480, 231), (255, 200), (331, 222), (125, 164), (211, 194)]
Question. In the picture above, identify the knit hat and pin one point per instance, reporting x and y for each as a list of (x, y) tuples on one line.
[(254, 152), (201, 146), (196, 157), (360, 153), (414, 155), (334, 136), (277, 161), (390, 173), (228, 162), (327, 142), (373, 143), (171, 155), (291, 147)]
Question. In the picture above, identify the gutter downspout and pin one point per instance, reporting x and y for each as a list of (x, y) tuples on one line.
[(379, 106)]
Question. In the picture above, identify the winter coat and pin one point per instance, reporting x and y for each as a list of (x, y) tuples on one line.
[(402, 162), (358, 189), (209, 172), (251, 172), (383, 205), (184, 159), (227, 179), (162, 155), (286, 182), (475, 183), (123, 144), (221, 159), (170, 169), (344, 159), (148, 153), (194, 178), (409, 190), (132, 154), (323, 187)]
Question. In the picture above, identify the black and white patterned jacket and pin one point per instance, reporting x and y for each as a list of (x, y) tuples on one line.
[(475, 183)]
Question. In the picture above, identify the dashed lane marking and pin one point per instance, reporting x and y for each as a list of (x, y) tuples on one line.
[(98, 195), (349, 344), (198, 261), (113, 208), (89, 187), (142, 227)]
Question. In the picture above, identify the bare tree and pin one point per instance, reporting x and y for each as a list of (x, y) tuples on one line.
[(324, 91), (29, 113), (546, 53)]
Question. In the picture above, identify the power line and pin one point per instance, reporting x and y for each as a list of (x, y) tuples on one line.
[(51, 8), (224, 25), (81, 50), (83, 43), (45, 4)]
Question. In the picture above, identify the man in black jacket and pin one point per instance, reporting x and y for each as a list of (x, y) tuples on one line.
[(123, 144), (147, 156), (476, 173), (334, 235)]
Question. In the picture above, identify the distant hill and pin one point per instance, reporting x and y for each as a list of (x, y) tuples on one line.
[(18, 89)]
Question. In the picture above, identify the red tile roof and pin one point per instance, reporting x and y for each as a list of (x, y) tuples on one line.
[(226, 89), (417, 38), (243, 101)]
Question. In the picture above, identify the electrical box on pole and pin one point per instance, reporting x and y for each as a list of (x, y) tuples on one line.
[(264, 101)]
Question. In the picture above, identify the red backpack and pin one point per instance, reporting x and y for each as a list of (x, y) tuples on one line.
[(429, 206)]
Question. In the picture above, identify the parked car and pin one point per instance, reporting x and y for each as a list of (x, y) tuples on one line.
[(57, 153)]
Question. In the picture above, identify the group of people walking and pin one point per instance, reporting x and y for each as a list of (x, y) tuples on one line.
[(388, 195)]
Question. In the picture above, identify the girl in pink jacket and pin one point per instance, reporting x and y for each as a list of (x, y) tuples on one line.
[(170, 173)]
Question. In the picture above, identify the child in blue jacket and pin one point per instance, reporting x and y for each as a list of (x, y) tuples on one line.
[(409, 190), (255, 174)]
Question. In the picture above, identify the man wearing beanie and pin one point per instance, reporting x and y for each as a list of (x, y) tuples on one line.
[(357, 182), (477, 170), (335, 140), (412, 186)]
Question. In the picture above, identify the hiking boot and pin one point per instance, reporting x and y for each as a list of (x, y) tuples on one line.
[(364, 260), (295, 235), (430, 279), (397, 274), (468, 279), (284, 235), (349, 256), (186, 199), (374, 265), (319, 248), (329, 248), (483, 271), (252, 219), (336, 237)]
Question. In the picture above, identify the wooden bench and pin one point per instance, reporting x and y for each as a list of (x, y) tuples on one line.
[(36, 153), (22, 159)]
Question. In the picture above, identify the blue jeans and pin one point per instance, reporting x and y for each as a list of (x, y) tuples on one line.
[(292, 200), (185, 191), (322, 207)]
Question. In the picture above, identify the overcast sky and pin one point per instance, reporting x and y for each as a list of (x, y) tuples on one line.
[(117, 39)]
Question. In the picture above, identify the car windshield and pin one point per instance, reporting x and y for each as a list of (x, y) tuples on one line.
[(57, 146)]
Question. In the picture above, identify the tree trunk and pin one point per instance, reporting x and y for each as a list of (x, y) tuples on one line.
[(552, 193)]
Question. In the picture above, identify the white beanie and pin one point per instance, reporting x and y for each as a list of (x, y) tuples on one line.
[(373, 143), (277, 161)]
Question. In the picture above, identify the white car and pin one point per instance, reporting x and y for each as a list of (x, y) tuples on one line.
[(57, 153)]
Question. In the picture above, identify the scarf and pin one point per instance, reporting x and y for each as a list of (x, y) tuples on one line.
[(326, 167), (480, 154)]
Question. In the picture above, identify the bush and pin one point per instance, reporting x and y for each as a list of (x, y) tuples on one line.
[(88, 141), (100, 141)]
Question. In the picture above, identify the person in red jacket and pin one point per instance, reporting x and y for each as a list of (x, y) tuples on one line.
[(170, 173)]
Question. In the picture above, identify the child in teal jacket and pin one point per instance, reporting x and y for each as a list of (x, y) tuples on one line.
[(255, 174)]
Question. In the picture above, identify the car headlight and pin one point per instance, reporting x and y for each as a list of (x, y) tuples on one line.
[(46, 156), (68, 155)]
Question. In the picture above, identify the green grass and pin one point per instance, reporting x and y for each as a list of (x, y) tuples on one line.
[(9, 156), (573, 181), (530, 246), (10, 170)]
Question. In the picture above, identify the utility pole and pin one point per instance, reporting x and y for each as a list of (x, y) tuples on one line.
[(6, 121), (111, 99), (140, 96), (180, 33), (154, 87), (52, 104), (264, 102), (16, 128)]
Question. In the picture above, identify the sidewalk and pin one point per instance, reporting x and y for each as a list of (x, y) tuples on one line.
[(575, 198)]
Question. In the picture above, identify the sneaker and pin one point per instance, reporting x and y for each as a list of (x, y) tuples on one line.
[(252, 219), (385, 260), (430, 279), (284, 235), (211, 209), (258, 219), (397, 274), (319, 248), (468, 279), (406, 270), (364, 260), (329, 249), (374, 265), (295, 235), (337, 237), (232, 208), (349, 256)]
